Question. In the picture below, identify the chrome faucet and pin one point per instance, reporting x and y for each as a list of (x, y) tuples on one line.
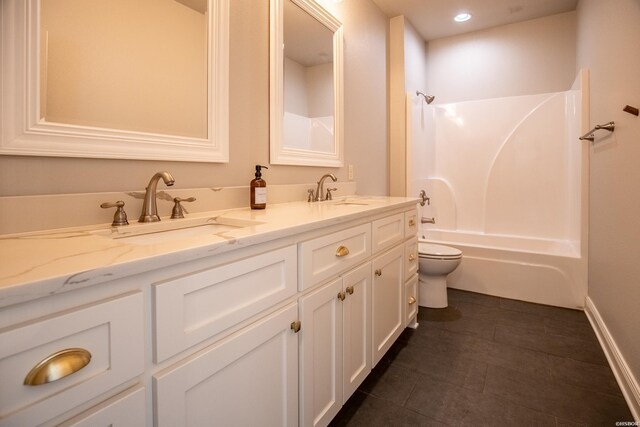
[(149, 208), (320, 188)]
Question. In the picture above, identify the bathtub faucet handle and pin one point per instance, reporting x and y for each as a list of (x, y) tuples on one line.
[(425, 199), (424, 220)]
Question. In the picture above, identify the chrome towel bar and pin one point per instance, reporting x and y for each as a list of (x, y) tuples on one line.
[(589, 135)]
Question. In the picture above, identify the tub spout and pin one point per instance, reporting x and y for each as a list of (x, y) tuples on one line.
[(424, 220)]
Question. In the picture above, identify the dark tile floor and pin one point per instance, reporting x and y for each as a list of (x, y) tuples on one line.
[(491, 361)]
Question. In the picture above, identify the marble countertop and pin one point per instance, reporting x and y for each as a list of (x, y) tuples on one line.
[(38, 264)]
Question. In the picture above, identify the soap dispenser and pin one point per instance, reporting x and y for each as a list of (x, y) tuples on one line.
[(259, 190)]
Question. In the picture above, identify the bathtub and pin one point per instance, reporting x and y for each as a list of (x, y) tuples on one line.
[(530, 269)]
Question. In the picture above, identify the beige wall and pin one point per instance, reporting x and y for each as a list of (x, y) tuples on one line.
[(608, 35), (365, 29), (536, 56)]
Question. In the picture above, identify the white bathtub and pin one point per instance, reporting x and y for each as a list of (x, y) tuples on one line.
[(529, 269)]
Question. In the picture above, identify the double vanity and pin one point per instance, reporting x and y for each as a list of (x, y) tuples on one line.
[(234, 317)]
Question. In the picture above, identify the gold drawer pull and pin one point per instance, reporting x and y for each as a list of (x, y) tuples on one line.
[(349, 290), (58, 365), (412, 222), (296, 326), (341, 296), (378, 272), (412, 257), (412, 300), (342, 251)]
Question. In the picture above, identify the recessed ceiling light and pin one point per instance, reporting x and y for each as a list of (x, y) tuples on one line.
[(462, 17)]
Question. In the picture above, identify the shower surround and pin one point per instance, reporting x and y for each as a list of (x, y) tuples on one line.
[(507, 178)]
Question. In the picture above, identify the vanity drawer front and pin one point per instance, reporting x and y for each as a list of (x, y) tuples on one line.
[(411, 223), (127, 409), (328, 256), (189, 309), (112, 331), (411, 257), (387, 232), (411, 299)]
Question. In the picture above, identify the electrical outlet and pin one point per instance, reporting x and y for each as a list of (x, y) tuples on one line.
[(350, 172)]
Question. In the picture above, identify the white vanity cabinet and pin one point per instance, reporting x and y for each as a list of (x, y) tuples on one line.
[(335, 344), (74, 355), (247, 379), (274, 329)]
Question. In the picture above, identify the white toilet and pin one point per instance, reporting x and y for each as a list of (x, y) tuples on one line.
[(435, 263)]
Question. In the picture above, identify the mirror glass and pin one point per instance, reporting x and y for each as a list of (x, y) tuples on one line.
[(306, 120), (143, 79), (121, 64)]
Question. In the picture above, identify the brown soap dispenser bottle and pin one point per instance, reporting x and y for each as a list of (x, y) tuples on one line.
[(259, 190)]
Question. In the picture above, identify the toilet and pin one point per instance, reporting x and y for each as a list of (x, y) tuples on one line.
[(435, 263)]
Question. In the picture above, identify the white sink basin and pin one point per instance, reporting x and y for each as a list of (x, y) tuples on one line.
[(166, 231)]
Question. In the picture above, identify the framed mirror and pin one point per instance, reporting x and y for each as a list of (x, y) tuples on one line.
[(115, 79), (306, 85)]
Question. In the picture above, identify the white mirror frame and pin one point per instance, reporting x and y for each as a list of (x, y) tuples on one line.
[(22, 132), (281, 155)]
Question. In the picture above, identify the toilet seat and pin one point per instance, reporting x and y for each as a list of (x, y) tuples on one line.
[(433, 251)]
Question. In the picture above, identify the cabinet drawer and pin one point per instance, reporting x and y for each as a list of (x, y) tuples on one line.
[(326, 256), (110, 330), (386, 232), (192, 308), (411, 299), (127, 409), (411, 223), (411, 257)]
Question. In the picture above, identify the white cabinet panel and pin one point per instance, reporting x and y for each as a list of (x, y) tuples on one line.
[(127, 409), (356, 328), (411, 223), (411, 301), (328, 256), (387, 232), (387, 302), (197, 306), (321, 355), (248, 379), (411, 257), (111, 330)]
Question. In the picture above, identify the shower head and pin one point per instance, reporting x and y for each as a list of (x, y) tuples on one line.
[(428, 98)]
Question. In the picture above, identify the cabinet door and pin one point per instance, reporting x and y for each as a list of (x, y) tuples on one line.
[(247, 379), (387, 303), (356, 328), (124, 410), (321, 355)]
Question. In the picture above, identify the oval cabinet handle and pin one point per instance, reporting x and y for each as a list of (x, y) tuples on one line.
[(412, 257), (295, 326), (341, 296), (378, 272), (57, 366), (349, 290), (412, 300), (342, 251)]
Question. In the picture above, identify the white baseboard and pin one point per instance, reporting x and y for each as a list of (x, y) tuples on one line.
[(627, 382)]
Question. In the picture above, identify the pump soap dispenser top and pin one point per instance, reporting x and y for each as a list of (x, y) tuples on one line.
[(259, 190)]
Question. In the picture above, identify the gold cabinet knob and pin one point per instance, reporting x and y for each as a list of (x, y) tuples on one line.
[(378, 272), (57, 366), (412, 300), (349, 290), (412, 222), (295, 326), (341, 296), (342, 251), (412, 257)]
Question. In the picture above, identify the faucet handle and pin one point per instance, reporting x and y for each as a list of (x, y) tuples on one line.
[(120, 217), (329, 195), (177, 211), (311, 196)]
